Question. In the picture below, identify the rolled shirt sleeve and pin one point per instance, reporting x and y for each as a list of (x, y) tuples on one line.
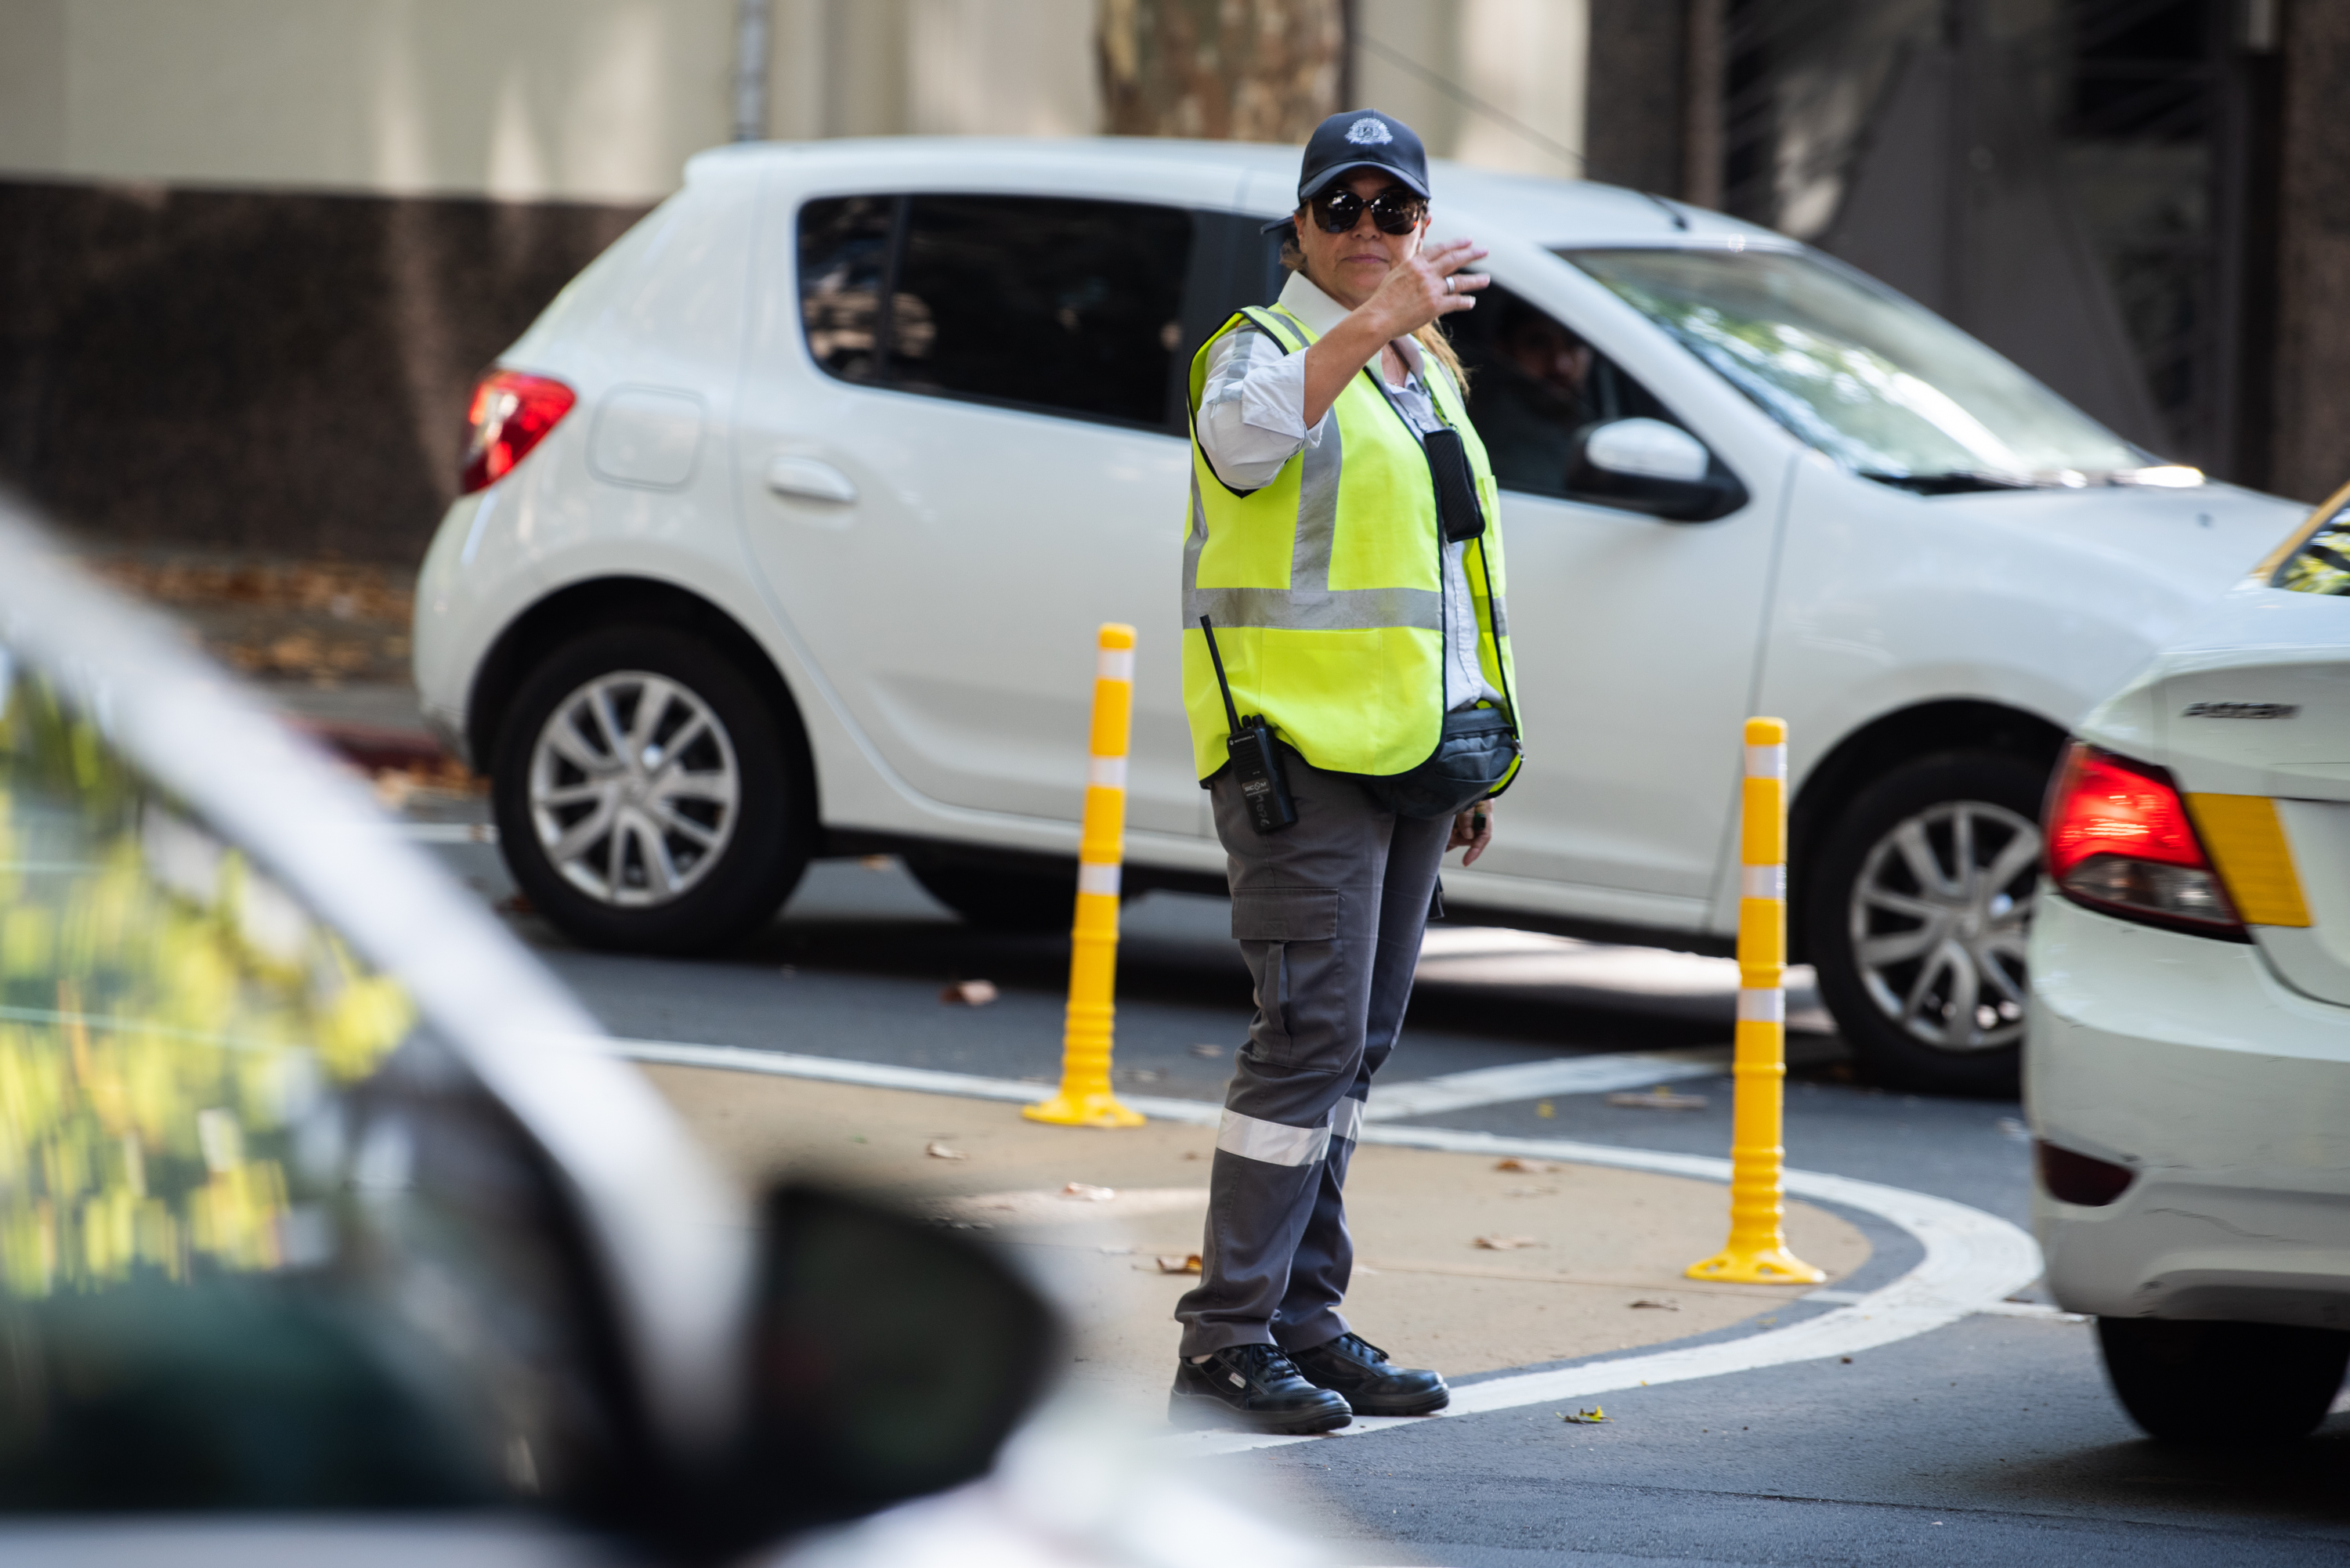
[(1253, 410)]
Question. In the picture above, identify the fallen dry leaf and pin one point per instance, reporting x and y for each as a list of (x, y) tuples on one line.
[(1661, 1306), (877, 862), (968, 993), (1544, 1109), (1087, 1192), (1660, 1099), (1591, 1417), (1504, 1243), (941, 1151), (1171, 1263), (1529, 1166)]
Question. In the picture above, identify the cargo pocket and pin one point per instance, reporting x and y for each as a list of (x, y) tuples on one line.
[(1289, 938)]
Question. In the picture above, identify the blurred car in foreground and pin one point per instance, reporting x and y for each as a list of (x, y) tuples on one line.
[(786, 528), (2189, 1075), (328, 1232)]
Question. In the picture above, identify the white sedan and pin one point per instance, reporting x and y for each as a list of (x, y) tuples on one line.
[(2188, 1076), (785, 531)]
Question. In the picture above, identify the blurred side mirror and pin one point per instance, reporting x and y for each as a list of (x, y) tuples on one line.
[(890, 1358), (1648, 465)]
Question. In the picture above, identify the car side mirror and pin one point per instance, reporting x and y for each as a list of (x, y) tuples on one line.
[(1648, 465), (889, 1358)]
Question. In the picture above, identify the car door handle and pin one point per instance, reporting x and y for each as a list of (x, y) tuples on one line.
[(807, 480)]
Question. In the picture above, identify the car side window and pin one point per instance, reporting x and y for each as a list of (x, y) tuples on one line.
[(1534, 385), (1069, 307), (845, 246)]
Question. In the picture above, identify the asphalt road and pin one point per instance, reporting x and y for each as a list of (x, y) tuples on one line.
[(1994, 1439)]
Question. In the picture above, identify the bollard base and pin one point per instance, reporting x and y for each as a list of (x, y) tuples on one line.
[(1755, 1266), (1096, 1110)]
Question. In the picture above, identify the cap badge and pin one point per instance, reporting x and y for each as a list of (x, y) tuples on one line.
[(1369, 132)]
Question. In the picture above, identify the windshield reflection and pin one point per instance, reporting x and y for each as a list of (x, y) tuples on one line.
[(264, 1241), (1887, 388), (2321, 564), (167, 1014)]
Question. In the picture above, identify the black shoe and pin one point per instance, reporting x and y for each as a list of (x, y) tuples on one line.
[(1361, 1372), (1252, 1386)]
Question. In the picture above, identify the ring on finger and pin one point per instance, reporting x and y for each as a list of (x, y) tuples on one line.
[(1448, 282)]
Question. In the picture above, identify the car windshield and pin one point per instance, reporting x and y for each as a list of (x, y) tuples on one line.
[(1886, 387), (264, 1241)]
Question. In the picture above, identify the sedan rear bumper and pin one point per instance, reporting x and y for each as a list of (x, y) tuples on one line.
[(2187, 1060)]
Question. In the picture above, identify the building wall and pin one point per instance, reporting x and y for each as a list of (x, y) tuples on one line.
[(255, 250), (579, 101), (1496, 83), (2311, 450)]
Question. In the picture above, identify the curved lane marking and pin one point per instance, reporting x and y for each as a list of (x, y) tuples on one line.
[(1973, 1260)]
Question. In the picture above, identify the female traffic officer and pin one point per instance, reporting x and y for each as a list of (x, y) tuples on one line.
[(1342, 559)]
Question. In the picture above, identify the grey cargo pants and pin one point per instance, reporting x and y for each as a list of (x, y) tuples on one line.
[(1328, 913)]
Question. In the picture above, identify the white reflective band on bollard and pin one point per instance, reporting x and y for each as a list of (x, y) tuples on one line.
[(1100, 879), (1106, 773), (1114, 664), (1761, 881), (1766, 763), (1757, 1006)]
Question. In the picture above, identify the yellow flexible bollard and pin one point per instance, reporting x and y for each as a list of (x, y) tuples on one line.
[(1757, 1253), (1085, 1100)]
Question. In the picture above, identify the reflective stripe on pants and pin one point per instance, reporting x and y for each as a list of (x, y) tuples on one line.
[(1328, 914)]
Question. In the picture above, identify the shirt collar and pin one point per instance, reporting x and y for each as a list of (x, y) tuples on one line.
[(1302, 298)]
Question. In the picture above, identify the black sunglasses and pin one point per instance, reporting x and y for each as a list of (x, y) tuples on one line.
[(1395, 210)]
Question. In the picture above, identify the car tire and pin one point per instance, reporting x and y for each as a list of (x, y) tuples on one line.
[(706, 811), (999, 900), (1916, 919), (2237, 1384)]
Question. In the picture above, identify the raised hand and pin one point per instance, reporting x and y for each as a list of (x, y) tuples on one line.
[(1423, 287)]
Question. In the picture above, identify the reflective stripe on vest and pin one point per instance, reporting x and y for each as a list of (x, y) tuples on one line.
[(1325, 586)]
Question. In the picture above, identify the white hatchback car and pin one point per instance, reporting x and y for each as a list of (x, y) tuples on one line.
[(788, 525), (2189, 1077)]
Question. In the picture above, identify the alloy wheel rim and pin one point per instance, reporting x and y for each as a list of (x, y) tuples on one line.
[(634, 789), (1938, 919)]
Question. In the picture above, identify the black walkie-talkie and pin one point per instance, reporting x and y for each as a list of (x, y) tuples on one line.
[(1255, 764)]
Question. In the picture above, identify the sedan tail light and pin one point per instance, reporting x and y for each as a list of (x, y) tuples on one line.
[(511, 413), (2120, 840)]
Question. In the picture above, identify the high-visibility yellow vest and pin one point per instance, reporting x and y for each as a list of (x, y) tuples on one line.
[(1326, 586)]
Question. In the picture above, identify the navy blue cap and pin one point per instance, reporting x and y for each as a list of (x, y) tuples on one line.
[(1362, 139), (1359, 138)]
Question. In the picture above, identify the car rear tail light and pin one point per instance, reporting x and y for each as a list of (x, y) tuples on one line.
[(2072, 1177), (2120, 840), (511, 413)]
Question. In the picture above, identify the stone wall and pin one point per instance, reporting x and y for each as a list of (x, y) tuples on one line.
[(272, 372)]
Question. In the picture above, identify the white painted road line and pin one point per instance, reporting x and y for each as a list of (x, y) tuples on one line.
[(1972, 1261), (2042, 1311), (1533, 1080), (448, 832)]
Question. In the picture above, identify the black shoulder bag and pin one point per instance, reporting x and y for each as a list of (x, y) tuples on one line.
[(1479, 745)]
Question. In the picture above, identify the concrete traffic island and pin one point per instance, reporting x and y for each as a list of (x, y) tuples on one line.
[(1567, 1253)]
